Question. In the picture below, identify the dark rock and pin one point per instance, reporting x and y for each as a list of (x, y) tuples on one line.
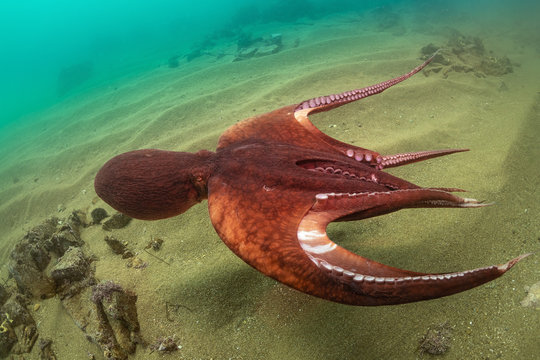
[(121, 306), (33, 253), (116, 245), (8, 338), (39, 255), (32, 282), (117, 221), (26, 336), (4, 294), (72, 266), (26, 268), (122, 315), (43, 231), (77, 219), (90, 317), (127, 254), (45, 349), (62, 240), (98, 214), (34, 244), (108, 316), (15, 307)]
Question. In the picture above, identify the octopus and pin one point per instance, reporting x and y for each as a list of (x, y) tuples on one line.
[(274, 184)]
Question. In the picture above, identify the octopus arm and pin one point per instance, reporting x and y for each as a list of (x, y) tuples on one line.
[(291, 125), (283, 235)]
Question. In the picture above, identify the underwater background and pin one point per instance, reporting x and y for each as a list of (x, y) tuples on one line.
[(82, 82)]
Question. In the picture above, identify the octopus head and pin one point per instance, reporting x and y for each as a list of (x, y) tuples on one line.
[(154, 184)]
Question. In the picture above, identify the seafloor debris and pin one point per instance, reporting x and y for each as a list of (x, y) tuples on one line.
[(533, 296), (136, 263), (154, 244), (165, 344), (437, 339), (465, 54), (117, 221)]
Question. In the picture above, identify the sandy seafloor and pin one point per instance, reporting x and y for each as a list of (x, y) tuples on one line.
[(231, 311)]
